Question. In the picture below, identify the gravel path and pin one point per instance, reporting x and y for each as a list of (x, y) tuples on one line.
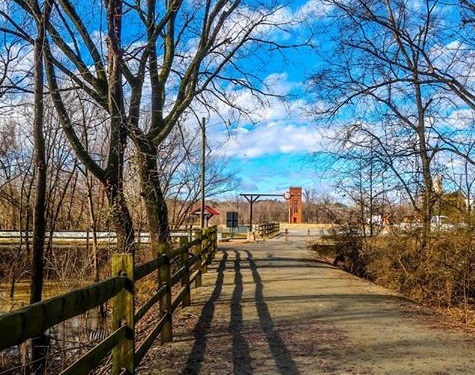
[(270, 308)]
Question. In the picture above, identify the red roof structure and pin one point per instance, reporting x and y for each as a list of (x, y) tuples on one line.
[(209, 211)]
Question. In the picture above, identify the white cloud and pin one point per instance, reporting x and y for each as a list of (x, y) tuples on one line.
[(313, 9), (271, 138), (274, 126)]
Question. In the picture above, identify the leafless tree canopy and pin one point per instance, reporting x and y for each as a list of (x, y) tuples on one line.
[(396, 87)]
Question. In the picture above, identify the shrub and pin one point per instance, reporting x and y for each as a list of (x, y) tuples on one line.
[(442, 275)]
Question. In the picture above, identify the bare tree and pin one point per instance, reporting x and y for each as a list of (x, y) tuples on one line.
[(109, 94), (61, 63), (42, 14), (11, 170), (220, 33), (178, 52), (177, 55), (383, 81), (179, 168)]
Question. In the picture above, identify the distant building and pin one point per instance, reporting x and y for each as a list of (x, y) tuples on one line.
[(295, 205), (209, 213)]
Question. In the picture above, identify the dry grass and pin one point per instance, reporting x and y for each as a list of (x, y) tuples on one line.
[(442, 276)]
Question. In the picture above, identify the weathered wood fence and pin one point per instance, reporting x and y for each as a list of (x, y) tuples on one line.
[(192, 257), (265, 230)]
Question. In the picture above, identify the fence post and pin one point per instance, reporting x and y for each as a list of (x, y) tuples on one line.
[(197, 250), (205, 247), (214, 242), (164, 278), (123, 314), (185, 280)]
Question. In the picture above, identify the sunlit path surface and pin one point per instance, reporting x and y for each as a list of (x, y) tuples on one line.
[(271, 308)]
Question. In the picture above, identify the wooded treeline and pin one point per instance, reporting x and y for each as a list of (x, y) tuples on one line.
[(76, 201), (317, 209), (121, 89), (396, 86)]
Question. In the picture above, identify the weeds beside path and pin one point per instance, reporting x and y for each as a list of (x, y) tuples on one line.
[(271, 308)]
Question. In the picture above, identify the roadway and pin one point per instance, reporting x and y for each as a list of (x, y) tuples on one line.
[(271, 308)]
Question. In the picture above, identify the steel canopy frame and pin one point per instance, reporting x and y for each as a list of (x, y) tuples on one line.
[(251, 198)]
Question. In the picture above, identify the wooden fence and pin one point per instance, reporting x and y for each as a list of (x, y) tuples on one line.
[(192, 259), (265, 230)]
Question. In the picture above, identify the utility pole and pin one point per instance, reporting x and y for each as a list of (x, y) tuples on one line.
[(203, 170)]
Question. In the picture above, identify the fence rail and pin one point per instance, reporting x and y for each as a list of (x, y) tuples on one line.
[(192, 257), (16, 236), (265, 230)]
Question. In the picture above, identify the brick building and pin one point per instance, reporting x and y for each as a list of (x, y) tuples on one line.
[(295, 205)]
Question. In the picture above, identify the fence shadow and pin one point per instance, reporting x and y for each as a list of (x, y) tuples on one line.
[(241, 352), (240, 346), (282, 357), (196, 357)]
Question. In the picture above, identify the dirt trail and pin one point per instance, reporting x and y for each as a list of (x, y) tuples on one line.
[(271, 308)]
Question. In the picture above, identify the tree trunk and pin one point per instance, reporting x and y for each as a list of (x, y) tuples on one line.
[(93, 225), (40, 345), (113, 182), (428, 196), (120, 217), (155, 203)]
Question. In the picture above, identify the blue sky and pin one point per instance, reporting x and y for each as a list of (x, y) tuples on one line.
[(272, 156), (273, 153)]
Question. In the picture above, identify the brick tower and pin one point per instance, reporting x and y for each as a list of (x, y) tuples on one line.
[(295, 205)]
